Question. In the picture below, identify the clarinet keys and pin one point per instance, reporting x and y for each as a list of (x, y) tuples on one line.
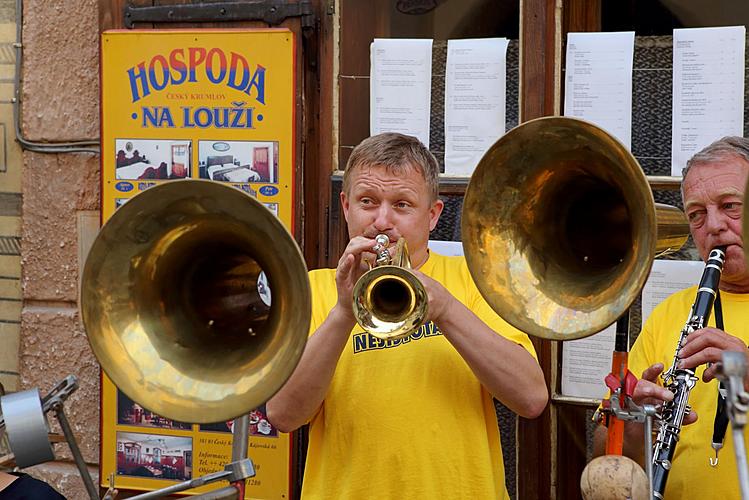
[(681, 381)]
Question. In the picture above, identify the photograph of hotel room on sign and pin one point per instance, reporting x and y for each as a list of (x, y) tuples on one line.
[(131, 413), (154, 456), (238, 161), (138, 159)]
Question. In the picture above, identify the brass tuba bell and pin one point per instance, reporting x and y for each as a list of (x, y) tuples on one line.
[(176, 301), (389, 300), (560, 228)]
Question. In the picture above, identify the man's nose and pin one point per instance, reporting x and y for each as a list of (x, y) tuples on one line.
[(716, 221), (384, 218)]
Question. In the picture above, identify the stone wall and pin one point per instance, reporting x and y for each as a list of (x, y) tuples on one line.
[(59, 103)]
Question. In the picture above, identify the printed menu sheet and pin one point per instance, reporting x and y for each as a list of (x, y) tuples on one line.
[(401, 87), (475, 96), (708, 89), (598, 82)]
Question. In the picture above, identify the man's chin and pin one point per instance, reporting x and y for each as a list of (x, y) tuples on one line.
[(735, 273)]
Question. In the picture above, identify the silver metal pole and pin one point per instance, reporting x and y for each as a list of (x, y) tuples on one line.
[(733, 369), (739, 448), (649, 451), (225, 493), (186, 485), (241, 435), (92, 490)]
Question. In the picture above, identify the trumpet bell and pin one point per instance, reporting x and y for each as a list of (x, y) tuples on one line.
[(196, 301), (389, 302), (560, 230)]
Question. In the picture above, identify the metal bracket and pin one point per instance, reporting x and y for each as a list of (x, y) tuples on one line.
[(272, 12), (60, 393)]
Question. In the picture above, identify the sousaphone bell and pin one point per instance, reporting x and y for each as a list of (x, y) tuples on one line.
[(196, 301), (560, 228)]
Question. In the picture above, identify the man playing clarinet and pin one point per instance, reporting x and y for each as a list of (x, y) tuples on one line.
[(713, 194)]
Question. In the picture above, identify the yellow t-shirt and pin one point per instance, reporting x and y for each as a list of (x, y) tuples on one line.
[(691, 475), (406, 419)]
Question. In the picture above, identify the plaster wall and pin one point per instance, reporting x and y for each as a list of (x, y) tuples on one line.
[(59, 103)]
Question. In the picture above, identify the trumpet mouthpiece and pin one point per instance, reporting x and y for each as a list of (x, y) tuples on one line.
[(383, 240)]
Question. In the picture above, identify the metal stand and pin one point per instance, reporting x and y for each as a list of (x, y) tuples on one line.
[(55, 401), (23, 418), (733, 370), (26, 426), (644, 414)]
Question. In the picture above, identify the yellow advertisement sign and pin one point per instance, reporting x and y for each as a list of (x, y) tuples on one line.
[(204, 104)]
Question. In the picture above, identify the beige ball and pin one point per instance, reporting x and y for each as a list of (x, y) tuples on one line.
[(614, 477)]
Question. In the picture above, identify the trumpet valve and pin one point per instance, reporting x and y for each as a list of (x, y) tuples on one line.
[(381, 249)]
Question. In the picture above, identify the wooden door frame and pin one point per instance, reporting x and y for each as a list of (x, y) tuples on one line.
[(318, 137), (539, 96), (551, 448)]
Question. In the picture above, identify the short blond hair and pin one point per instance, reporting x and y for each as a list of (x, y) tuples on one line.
[(396, 153)]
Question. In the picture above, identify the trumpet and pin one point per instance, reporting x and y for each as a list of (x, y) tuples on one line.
[(389, 301)]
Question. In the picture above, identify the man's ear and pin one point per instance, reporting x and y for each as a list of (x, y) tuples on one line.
[(434, 213), (344, 205)]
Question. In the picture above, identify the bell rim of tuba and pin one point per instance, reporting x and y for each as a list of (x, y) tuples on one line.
[(515, 271), (171, 370)]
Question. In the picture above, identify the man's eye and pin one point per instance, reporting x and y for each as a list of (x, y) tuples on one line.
[(733, 208), (695, 216)]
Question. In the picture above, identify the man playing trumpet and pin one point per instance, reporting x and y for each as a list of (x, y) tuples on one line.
[(411, 417), (713, 194)]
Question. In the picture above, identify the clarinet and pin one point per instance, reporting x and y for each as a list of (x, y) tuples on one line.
[(681, 381)]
